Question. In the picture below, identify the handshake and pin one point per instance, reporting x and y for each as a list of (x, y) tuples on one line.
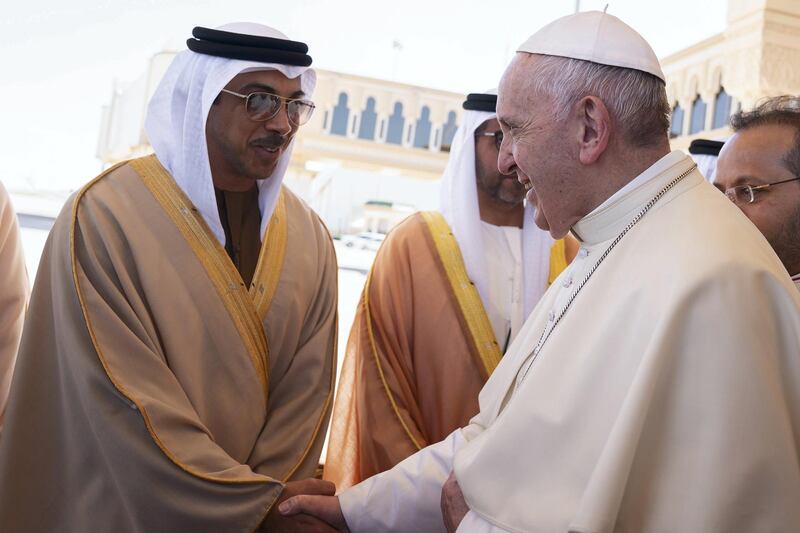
[(309, 505)]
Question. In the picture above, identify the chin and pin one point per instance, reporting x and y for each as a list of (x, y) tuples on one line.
[(541, 220), (511, 199), (532, 198), (262, 171)]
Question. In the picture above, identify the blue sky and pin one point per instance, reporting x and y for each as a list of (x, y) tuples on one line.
[(60, 59)]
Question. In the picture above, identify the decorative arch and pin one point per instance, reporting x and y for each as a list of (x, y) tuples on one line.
[(722, 108), (396, 125), (369, 120), (676, 121), (341, 116), (698, 121), (448, 131), (422, 131)]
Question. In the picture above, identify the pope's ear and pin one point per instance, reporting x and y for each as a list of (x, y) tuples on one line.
[(593, 128)]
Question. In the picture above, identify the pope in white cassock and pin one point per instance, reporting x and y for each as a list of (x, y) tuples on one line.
[(656, 386)]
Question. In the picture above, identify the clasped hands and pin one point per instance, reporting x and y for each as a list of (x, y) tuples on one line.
[(306, 506), (311, 506)]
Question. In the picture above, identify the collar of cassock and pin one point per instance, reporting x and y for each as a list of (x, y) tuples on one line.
[(610, 218), (248, 47)]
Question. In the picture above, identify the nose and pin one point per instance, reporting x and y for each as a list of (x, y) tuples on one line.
[(280, 122), (505, 159)]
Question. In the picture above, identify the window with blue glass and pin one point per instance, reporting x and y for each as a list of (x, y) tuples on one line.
[(449, 131), (422, 133), (698, 122), (722, 108), (341, 116), (676, 123), (369, 119), (394, 131)]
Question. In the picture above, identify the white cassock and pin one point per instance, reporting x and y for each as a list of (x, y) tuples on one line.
[(666, 399), (14, 292)]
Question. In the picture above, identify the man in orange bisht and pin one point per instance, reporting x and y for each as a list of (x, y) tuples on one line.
[(447, 294)]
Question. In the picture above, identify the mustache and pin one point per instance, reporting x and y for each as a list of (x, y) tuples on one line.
[(272, 140)]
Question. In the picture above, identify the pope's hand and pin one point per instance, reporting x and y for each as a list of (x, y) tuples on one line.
[(454, 507), (324, 507), (276, 521)]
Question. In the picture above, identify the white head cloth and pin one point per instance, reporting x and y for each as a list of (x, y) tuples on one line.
[(706, 164), (459, 205), (597, 37), (176, 122)]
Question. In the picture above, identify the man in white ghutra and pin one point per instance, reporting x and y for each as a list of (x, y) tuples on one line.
[(655, 386)]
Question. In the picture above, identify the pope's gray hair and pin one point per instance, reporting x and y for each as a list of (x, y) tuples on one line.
[(636, 100)]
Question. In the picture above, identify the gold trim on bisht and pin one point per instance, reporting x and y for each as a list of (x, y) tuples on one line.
[(558, 260), (467, 296), (215, 260)]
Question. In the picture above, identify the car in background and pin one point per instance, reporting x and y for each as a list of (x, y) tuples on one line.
[(366, 240)]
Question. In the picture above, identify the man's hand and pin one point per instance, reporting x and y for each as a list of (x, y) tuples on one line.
[(276, 522), (324, 507), (454, 507)]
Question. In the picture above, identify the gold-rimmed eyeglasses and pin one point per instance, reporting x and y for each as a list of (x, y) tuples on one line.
[(746, 194), (261, 106), (498, 137)]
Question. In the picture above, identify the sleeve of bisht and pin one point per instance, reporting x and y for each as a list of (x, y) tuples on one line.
[(80, 452), (376, 420)]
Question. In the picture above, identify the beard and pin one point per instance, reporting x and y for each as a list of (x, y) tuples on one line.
[(504, 189), (787, 244)]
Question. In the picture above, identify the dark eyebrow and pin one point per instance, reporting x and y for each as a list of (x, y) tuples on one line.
[(258, 86), (266, 88), (748, 180)]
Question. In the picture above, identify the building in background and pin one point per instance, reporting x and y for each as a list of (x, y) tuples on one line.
[(756, 56), (375, 149)]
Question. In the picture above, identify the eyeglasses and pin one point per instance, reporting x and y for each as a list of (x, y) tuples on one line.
[(498, 137), (746, 194), (262, 106)]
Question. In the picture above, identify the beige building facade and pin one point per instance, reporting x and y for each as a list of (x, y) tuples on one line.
[(756, 56), (374, 142)]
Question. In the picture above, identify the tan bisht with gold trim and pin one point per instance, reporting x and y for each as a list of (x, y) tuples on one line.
[(13, 295), (420, 350), (152, 386)]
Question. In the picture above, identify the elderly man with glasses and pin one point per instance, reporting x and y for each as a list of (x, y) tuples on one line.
[(448, 293), (176, 370), (759, 170)]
